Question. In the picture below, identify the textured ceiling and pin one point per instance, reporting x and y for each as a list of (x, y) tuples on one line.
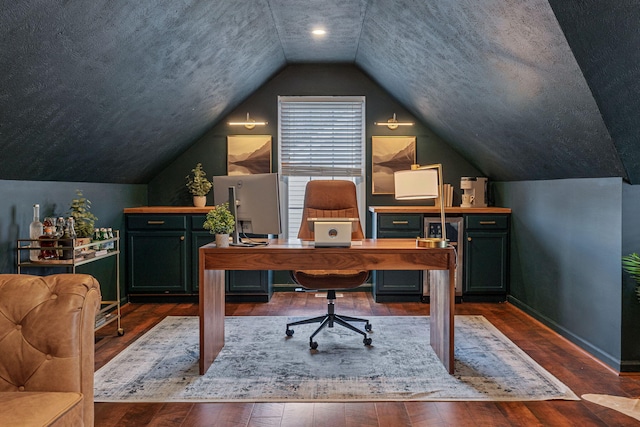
[(497, 80), (524, 89)]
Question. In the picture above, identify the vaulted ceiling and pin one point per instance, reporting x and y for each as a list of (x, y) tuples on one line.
[(524, 89)]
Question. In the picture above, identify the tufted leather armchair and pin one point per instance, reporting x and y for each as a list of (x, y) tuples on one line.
[(47, 349)]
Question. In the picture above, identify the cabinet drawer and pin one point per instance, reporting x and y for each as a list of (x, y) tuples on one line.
[(487, 222), (197, 221), (156, 222), (400, 223)]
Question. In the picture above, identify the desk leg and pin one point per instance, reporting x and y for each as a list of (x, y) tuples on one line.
[(211, 316), (441, 316)]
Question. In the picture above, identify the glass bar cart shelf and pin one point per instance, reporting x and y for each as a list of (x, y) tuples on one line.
[(82, 254)]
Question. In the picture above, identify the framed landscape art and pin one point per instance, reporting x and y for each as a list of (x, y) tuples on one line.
[(248, 154), (388, 155)]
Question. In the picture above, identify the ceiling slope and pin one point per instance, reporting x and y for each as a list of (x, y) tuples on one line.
[(605, 41), (494, 78), (112, 91)]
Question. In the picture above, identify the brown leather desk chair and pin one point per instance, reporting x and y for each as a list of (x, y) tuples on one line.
[(333, 199)]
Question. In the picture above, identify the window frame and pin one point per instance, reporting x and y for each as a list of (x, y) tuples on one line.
[(359, 180)]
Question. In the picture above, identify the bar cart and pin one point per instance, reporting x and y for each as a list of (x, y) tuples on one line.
[(81, 254)]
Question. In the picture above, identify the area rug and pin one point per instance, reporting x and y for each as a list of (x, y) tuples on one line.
[(260, 364)]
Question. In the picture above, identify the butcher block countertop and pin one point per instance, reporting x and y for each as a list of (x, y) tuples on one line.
[(436, 210), (168, 210), (375, 209)]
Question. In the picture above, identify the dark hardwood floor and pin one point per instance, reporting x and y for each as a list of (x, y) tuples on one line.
[(582, 373)]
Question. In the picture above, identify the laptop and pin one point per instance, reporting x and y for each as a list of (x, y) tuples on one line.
[(332, 232)]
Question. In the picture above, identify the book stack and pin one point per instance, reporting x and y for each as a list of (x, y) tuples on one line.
[(447, 190), (101, 318)]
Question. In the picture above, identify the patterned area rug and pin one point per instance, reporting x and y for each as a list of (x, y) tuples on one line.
[(260, 364)]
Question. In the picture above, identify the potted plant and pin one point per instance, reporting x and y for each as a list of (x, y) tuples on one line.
[(198, 185), (631, 264), (83, 219), (220, 221)]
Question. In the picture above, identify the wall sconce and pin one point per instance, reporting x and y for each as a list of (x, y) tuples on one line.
[(393, 123), (249, 123), (423, 182)]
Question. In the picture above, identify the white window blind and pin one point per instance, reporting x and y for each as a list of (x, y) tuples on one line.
[(319, 138)]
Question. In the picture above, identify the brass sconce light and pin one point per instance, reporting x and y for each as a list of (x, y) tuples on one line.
[(249, 123), (393, 123)]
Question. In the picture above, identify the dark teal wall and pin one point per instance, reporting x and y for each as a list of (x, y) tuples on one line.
[(630, 304), (566, 245), (107, 203), (167, 188)]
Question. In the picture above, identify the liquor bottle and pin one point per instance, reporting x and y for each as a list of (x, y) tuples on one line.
[(104, 236), (48, 242), (35, 231), (97, 236), (58, 232), (60, 224), (72, 228), (111, 245), (68, 239)]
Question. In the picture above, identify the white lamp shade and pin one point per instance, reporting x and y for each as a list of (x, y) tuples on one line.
[(416, 184)]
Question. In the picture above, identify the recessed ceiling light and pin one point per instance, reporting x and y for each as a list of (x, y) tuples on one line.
[(319, 32)]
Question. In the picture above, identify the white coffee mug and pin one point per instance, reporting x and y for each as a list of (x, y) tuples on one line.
[(467, 199)]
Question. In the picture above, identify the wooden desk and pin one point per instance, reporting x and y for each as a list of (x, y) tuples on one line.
[(382, 254)]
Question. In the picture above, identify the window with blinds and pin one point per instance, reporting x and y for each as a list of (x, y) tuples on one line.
[(319, 138)]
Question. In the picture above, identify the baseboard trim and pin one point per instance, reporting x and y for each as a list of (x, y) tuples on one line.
[(607, 359)]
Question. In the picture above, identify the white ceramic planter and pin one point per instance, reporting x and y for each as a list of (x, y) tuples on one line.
[(222, 240)]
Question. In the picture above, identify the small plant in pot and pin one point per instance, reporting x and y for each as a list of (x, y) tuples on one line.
[(198, 185), (83, 219), (220, 221), (631, 264)]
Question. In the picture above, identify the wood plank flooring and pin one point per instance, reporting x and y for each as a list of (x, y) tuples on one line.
[(582, 373)]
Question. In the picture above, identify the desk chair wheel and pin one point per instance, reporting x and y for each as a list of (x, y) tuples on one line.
[(367, 341), (290, 332), (367, 327), (313, 345)]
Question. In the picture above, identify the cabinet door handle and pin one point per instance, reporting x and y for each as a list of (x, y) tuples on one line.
[(181, 238), (155, 222), (468, 239), (400, 222), (487, 223)]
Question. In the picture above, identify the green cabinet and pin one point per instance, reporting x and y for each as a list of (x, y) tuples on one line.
[(486, 263), (157, 255), (482, 243), (162, 260), (241, 285), (249, 286), (397, 285), (199, 237)]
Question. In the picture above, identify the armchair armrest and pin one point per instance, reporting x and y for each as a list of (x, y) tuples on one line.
[(47, 334)]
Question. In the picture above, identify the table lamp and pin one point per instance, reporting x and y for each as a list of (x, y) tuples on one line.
[(423, 182)]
